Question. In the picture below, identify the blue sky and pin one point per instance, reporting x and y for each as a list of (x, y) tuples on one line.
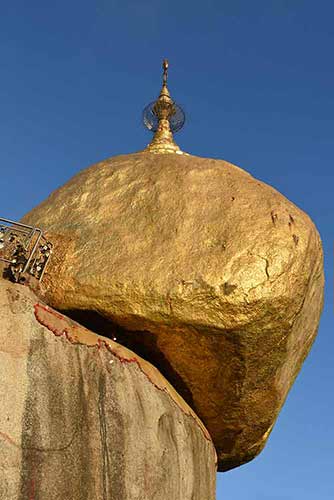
[(256, 80)]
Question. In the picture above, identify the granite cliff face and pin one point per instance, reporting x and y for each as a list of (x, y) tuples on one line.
[(83, 418), (210, 274)]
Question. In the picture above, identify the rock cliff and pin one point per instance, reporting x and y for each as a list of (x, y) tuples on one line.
[(83, 418)]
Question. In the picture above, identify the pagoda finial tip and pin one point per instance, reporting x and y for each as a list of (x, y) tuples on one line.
[(163, 117), (165, 71)]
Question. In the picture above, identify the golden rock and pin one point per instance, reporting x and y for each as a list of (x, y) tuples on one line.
[(210, 274)]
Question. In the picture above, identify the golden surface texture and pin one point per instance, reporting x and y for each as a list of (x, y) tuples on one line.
[(210, 274)]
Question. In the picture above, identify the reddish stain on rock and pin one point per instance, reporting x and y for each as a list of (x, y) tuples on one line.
[(61, 326)]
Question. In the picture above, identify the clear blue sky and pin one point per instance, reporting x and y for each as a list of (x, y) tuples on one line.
[(257, 82)]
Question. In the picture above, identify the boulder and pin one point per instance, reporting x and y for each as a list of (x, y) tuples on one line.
[(83, 418), (205, 271)]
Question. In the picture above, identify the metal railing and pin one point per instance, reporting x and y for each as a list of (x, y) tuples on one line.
[(24, 250)]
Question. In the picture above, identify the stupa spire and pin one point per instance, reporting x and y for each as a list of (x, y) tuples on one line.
[(163, 117)]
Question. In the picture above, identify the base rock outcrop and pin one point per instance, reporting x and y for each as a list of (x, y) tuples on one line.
[(83, 418), (210, 274)]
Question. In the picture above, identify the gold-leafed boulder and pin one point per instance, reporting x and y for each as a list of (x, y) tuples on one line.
[(210, 274)]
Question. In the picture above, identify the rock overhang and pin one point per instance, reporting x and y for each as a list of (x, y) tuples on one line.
[(85, 417)]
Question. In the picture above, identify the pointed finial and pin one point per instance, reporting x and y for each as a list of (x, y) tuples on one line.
[(165, 68), (163, 117)]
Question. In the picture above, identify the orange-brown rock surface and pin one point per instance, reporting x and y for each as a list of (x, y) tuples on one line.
[(83, 418), (209, 273)]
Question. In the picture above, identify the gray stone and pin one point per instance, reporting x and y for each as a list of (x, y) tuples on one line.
[(82, 417)]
